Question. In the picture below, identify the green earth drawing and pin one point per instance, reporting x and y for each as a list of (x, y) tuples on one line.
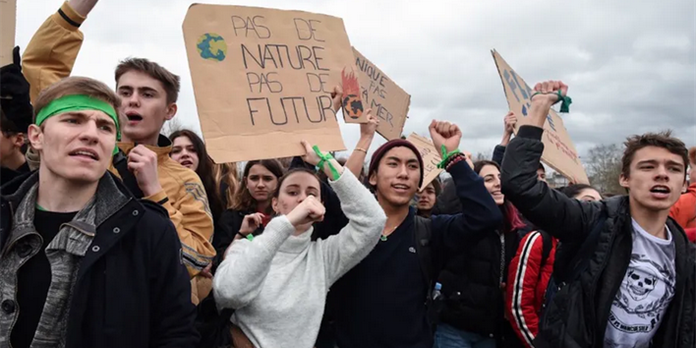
[(212, 46)]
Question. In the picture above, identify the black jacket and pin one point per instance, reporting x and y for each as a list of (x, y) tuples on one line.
[(134, 290), (7, 174), (474, 301), (578, 314), (225, 230)]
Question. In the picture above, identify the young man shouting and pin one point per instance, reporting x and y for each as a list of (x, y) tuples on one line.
[(83, 263), (636, 282)]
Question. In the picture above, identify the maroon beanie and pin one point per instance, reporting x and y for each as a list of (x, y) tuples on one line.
[(382, 150)]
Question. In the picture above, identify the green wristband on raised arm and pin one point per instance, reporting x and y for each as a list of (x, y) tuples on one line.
[(563, 99), (326, 158), (446, 156)]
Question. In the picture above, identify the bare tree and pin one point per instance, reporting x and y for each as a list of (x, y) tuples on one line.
[(172, 126), (604, 168), (480, 157)]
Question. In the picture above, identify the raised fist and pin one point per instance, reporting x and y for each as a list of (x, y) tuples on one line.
[(548, 92), (445, 133)]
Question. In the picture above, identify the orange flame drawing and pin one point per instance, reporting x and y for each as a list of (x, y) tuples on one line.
[(350, 83), (352, 105)]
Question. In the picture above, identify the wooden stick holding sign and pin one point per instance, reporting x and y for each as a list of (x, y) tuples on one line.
[(559, 150), (431, 158), (387, 100), (263, 79), (8, 22)]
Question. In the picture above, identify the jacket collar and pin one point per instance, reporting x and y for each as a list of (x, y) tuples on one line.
[(111, 193), (163, 148)]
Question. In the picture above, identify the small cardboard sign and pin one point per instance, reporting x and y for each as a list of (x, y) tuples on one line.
[(559, 150), (8, 22), (263, 79), (388, 101), (351, 103), (431, 158)]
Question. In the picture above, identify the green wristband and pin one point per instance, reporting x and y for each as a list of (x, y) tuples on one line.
[(326, 158), (563, 99), (446, 156)]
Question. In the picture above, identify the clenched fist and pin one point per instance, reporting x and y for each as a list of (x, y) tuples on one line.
[(548, 92), (307, 212), (445, 133), (143, 163)]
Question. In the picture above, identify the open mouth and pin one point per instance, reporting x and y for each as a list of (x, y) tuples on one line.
[(133, 117), (85, 154), (186, 163), (660, 191)]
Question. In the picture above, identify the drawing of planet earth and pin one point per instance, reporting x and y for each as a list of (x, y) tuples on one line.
[(212, 46)]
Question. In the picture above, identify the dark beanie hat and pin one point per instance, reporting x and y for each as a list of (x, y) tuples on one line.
[(382, 150)]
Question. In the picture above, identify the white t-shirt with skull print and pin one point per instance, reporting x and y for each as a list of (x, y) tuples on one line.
[(645, 293)]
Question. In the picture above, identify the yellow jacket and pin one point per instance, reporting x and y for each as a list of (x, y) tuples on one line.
[(184, 197), (50, 57), (51, 53)]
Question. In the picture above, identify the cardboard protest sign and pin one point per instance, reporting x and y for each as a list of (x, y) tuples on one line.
[(559, 150), (8, 21), (351, 103), (431, 158), (388, 101), (263, 79)]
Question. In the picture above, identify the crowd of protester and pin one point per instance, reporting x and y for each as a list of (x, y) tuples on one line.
[(114, 235)]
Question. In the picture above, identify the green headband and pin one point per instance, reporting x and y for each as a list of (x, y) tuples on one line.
[(77, 102)]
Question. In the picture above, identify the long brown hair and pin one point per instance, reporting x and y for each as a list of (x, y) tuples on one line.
[(227, 173), (243, 201), (511, 216), (204, 170)]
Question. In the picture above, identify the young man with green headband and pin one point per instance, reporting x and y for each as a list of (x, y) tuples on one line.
[(148, 95), (84, 264)]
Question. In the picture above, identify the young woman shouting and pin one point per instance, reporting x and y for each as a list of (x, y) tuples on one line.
[(278, 281)]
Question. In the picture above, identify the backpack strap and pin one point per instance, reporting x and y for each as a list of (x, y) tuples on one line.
[(546, 248), (120, 162)]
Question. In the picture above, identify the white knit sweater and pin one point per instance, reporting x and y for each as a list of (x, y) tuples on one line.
[(278, 282)]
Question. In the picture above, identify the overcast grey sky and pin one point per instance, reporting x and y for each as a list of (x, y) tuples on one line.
[(630, 65)]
